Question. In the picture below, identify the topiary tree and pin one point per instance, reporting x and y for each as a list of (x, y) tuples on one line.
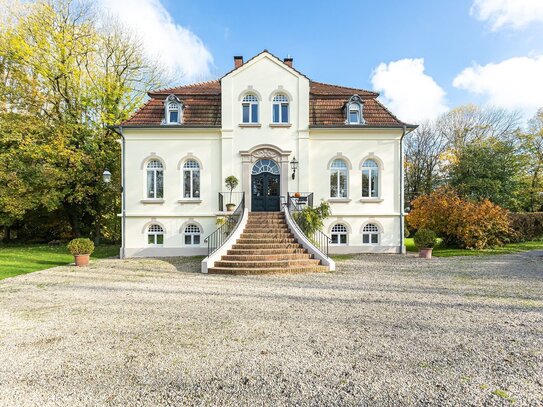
[(231, 182), (425, 239), (81, 246)]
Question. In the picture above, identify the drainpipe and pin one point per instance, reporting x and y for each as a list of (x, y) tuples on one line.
[(123, 190), (401, 193)]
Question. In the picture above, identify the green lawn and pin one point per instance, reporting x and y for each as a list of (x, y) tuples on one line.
[(508, 248), (21, 259)]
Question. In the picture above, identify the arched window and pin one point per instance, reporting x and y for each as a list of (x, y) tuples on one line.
[(173, 110), (192, 234), (155, 235), (280, 109), (191, 179), (265, 165), (339, 234), (354, 110), (155, 179), (249, 106), (370, 179), (338, 179), (370, 234)]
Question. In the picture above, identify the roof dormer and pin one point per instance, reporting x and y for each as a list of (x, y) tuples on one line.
[(173, 110), (354, 112)]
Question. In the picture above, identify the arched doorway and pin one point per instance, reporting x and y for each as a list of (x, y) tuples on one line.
[(265, 186)]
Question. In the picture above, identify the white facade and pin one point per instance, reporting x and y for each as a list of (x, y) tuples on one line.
[(233, 148)]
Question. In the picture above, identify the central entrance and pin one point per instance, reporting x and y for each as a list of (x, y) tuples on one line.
[(265, 186)]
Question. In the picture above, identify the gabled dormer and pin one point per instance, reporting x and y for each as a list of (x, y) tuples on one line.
[(173, 110), (354, 110)]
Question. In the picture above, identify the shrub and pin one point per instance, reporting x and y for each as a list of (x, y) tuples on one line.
[(81, 246), (425, 238), (526, 226), (459, 221), (312, 219)]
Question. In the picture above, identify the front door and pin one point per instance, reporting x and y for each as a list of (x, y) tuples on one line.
[(265, 192)]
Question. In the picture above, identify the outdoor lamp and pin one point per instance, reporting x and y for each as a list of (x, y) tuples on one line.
[(106, 176), (294, 166)]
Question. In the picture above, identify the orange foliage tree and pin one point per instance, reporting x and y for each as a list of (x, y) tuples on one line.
[(458, 221)]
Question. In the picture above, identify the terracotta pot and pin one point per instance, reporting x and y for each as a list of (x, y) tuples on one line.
[(81, 260), (297, 195), (230, 207), (425, 253)]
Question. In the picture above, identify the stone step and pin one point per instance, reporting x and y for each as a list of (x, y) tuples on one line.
[(263, 263), (260, 226), (266, 221), (268, 270), (267, 257), (265, 235), (274, 245), (266, 215), (266, 240), (262, 251)]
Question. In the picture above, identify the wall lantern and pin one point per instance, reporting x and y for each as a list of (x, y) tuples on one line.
[(106, 176), (294, 166)]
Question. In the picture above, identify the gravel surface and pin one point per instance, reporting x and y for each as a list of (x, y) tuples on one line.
[(382, 330)]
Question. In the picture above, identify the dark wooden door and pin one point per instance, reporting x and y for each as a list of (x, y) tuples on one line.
[(265, 192)]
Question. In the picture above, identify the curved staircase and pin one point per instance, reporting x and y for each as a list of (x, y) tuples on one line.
[(266, 246)]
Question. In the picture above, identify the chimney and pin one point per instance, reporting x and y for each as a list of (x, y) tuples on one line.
[(238, 61), (288, 60)]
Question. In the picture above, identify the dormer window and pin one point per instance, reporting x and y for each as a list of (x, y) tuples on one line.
[(354, 110), (249, 106), (173, 110)]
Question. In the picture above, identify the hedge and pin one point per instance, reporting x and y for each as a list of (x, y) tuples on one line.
[(526, 226)]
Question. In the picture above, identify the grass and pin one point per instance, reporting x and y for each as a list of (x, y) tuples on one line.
[(22, 259), (507, 249)]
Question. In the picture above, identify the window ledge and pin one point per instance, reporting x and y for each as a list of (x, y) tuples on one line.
[(152, 201), (280, 124), (371, 200), (250, 125), (339, 200), (190, 201)]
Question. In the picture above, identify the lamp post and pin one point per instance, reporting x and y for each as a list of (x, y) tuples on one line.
[(106, 176), (294, 166)]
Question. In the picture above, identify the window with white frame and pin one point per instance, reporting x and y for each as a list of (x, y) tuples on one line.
[(370, 234), (339, 234), (354, 110), (155, 235), (173, 110), (280, 109), (191, 179), (370, 179), (192, 234), (338, 179), (249, 107), (155, 179)]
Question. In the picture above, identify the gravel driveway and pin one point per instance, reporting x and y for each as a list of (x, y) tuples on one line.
[(381, 330)]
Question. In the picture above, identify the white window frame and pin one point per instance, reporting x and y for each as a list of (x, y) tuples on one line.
[(154, 171), (371, 233), (355, 103), (191, 171), (172, 103), (371, 170), (339, 234), (338, 171), (354, 108), (250, 100), (192, 233), (281, 100), (155, 233)]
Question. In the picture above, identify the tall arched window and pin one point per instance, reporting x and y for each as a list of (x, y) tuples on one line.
[(173, 110), (370, 234), (155, 235), (155, 179), (192, 234), (339, 234), (249, 106), (354, 110), (338, 179), (280, 109), (370, 179), (191, 179)]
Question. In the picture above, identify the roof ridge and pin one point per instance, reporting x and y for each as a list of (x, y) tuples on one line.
[(346, 87), (160, 90)]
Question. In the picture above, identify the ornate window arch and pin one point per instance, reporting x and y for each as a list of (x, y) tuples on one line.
[(192, 234), (250, 108), (354, 112), (280, 109), (265, 165), (155, 235), (339, 234), (173, 110), (371, 233)]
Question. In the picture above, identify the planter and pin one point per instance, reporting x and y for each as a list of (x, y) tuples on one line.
[(297, 195), (230, 207), (425, 253), (81, 259)]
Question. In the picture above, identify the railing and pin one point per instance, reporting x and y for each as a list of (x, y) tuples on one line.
[(319, 239), (226, 198), (231, 222), (303, 198)]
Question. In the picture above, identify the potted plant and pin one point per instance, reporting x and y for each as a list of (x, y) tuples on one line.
[(425, 240), (297, 195), (231, 182), (81, 248)]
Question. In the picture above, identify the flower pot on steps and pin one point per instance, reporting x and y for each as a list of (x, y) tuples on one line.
[(230, 207), (425, 253)]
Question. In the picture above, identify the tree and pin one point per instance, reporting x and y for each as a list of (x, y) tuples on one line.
[(532, 145)]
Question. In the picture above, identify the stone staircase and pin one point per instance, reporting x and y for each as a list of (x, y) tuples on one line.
[(266, 246)]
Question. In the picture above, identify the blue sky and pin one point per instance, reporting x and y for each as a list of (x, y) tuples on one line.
[(345, 43)]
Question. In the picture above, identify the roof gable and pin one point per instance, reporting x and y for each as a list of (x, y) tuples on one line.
[(257, 58)]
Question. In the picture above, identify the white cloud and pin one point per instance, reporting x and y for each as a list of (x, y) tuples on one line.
[(515, 13), (515, 83), (409, 93), (176, 47)]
